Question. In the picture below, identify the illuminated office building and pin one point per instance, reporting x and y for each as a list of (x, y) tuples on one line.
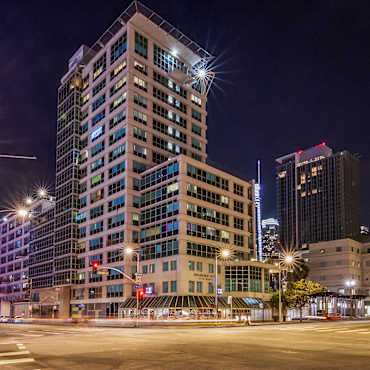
[(318, 196), (131, 172)]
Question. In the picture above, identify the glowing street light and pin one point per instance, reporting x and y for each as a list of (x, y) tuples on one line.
[(288, 259), (42, 193), (225, 253), (22, 212), (201, 74), (28, 201)]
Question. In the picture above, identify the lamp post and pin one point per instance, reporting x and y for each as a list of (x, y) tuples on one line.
[(224, 253), (351, 284), (287, 260), (130, 251)]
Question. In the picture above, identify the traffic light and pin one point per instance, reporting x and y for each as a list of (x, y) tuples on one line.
[(140, 293), (95, 266)]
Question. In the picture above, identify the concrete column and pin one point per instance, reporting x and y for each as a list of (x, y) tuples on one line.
[(64, 302)]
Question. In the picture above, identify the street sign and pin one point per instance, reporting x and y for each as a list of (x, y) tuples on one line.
[(102, 272), (138, 278), (219, 291)]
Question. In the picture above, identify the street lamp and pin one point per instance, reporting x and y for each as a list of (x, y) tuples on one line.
[(223, 253), (42, 192), (288, 259), (351, 284), (20, 212), (130, 251)]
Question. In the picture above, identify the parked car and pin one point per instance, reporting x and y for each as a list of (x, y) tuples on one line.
[(5, 319), (16, 319)]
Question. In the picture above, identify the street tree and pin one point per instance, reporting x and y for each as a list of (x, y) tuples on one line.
[(299, 292), (275, 303)]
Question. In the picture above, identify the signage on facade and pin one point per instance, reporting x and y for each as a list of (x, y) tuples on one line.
[(204, 276)]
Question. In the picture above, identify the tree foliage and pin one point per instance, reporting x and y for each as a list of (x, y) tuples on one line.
[(299, 292), (275, 301)]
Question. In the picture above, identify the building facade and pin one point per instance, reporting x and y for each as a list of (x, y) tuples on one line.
[(188, 212), (336, 263), (27, 256), (131, 172), (128, 104), (318, 196)]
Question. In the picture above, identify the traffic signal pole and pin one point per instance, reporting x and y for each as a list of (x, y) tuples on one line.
[(137, 294), (96, 268)]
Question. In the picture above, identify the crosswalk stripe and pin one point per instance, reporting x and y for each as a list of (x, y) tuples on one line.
[(15, 353), (19, 360)]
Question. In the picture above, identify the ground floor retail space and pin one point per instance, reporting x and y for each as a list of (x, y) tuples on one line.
[(176, 307)]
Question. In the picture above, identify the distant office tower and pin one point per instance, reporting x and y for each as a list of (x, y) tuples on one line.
[(271, 239), (318, 196)]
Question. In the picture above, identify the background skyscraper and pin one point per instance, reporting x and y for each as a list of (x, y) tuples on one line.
[(318, 196), (271, 238)]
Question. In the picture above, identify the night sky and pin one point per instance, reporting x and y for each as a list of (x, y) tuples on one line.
[(291, 74)]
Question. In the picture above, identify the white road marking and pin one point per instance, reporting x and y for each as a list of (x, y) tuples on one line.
[(15, 353), (52, 332), (351, 331), (17, 361)]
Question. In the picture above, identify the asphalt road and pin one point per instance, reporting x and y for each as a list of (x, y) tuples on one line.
[(321, 345)]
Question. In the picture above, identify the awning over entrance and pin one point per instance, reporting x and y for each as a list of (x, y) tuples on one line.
[(205, 302)]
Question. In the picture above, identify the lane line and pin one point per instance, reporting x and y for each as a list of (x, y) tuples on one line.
[(17, 361), (15, 353)]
